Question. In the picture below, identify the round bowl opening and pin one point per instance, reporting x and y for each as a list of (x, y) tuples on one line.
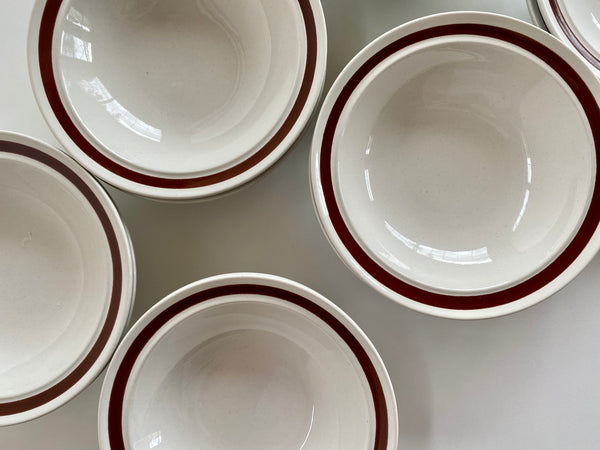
[(56, 280), (175, 88), (248, 372), (453, 170)]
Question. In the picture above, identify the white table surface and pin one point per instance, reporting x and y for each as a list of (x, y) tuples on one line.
[(526, 381)]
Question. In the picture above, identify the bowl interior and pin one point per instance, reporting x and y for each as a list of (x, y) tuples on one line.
[(453, 169), (583, 18), (249, 373), (175, 88), (56, 276)]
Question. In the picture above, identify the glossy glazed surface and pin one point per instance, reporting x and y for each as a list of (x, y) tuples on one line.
[(584, 18), (577, 24), (173, 88), (441, 174), (249, 374), (161, 99), (56, 280), (523, 381), (251, 361), (67, 287), (451, 168)]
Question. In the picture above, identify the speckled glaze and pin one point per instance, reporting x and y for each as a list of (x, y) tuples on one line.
[(177, 100), (443, 177), (576, 23), (68, 279), (247, 361)]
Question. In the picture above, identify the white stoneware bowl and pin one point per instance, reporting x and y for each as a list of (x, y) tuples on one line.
[(453, 165), (67, 279), (179, 99), (577, 24), (536, 15), (247, 361)]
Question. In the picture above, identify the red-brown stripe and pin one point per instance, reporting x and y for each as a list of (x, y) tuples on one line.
[(47, 25), (117, 395), (566, 28), (84, 366), (460, 302)]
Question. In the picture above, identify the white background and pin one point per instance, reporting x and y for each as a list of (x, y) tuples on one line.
[(527, 381)]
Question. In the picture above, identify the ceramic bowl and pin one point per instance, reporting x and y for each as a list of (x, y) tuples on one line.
[(577, 24), (177, 100), (67, 279), (453, 165), (247, 361), (536, 15)]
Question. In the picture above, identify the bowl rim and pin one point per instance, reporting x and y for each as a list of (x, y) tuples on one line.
[(338, 149), (536, 15), (73, 139), (555, 20), (157, 319), (537, 287), (120, 303)]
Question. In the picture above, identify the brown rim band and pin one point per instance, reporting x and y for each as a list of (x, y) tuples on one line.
[(46, 33), (458, 302), (115, 409), (571, 36), (37, 400)]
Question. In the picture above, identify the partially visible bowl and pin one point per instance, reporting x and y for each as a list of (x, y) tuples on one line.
[(536, 15), (247, 361), (177, 100), (576, 23), (454, 165), (67, 281)]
